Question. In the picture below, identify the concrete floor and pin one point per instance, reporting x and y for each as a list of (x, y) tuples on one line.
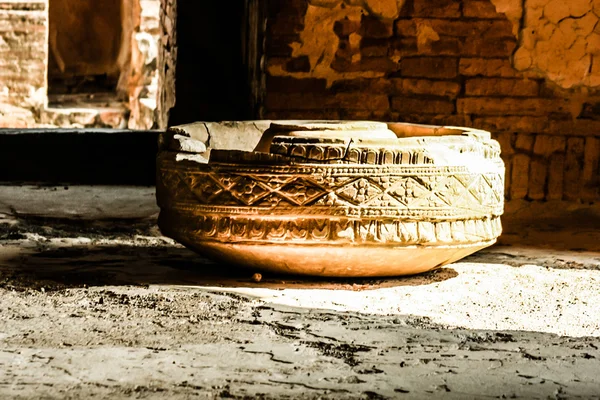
[(109, 310)]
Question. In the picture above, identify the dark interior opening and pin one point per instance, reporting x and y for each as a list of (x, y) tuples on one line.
[(85, 39), (211, 76)]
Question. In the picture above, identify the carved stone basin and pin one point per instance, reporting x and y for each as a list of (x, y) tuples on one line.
[(330, 198)]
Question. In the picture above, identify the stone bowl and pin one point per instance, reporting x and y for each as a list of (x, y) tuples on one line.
[(330, 198)]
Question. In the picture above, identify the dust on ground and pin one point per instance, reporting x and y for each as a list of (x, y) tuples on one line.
[(113, 311)]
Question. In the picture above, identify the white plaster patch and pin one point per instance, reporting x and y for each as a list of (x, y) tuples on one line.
[(559, 40)]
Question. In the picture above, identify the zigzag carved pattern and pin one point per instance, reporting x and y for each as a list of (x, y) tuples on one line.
[(474, 191)]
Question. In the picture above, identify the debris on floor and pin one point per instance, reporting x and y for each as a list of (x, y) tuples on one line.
[(101, 310)]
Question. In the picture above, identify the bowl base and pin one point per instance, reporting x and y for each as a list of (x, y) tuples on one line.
[(335, 261)]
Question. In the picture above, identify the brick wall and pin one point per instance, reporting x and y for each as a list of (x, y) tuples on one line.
[(144, 63), (448, 62), (23, 57), (167, 57)]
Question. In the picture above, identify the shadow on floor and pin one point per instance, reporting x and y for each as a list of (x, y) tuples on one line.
[(58, 267), (113, 256)]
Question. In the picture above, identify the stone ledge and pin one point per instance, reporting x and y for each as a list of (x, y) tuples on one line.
[(79, 202), (114, 117)]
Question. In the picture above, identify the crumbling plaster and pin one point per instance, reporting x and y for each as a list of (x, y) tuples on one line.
[(319, 42), (379, 8), (557, 40)]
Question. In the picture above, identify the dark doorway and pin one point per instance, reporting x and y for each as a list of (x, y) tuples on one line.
[(211, 75), (84, 44)]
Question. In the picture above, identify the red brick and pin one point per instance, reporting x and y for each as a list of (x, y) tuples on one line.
[(432, 119), (446, 46), (437, 8), (18, 77), (573, 168), (311, 101), (365, 115), (34, 38), (343, 64), (591, 110), (488, 47), (376, 28), (505, 139), (556, 172), (376, 85), (510, 106), (522, 124), (495, 67), (546, 145), (22, 88), (406, 27), (23, 18), (407, 105), (366, 64), (290, 84), (507, 175), (480, 9), (501, 87), (294, 101), (404, 47), (303, 114), (580, 127), (345, 27), (374, 47), (524, 142), (8, 121), (473, 29), (377, 64), (590, 175), (470, 29), (538, 172), (22, 65), (345, 50), (425, 86), (429, 67), (519, 176)]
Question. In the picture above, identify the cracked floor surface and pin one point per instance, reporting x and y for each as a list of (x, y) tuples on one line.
[(98, 311)]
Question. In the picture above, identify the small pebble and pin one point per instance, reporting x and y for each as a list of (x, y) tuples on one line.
[(257, 277)]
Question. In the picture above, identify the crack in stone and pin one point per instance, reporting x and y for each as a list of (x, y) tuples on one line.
[(335, 390), (208, 134), (269, 353)]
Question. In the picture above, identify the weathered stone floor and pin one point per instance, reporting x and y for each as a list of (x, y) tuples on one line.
[(98, 310)]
